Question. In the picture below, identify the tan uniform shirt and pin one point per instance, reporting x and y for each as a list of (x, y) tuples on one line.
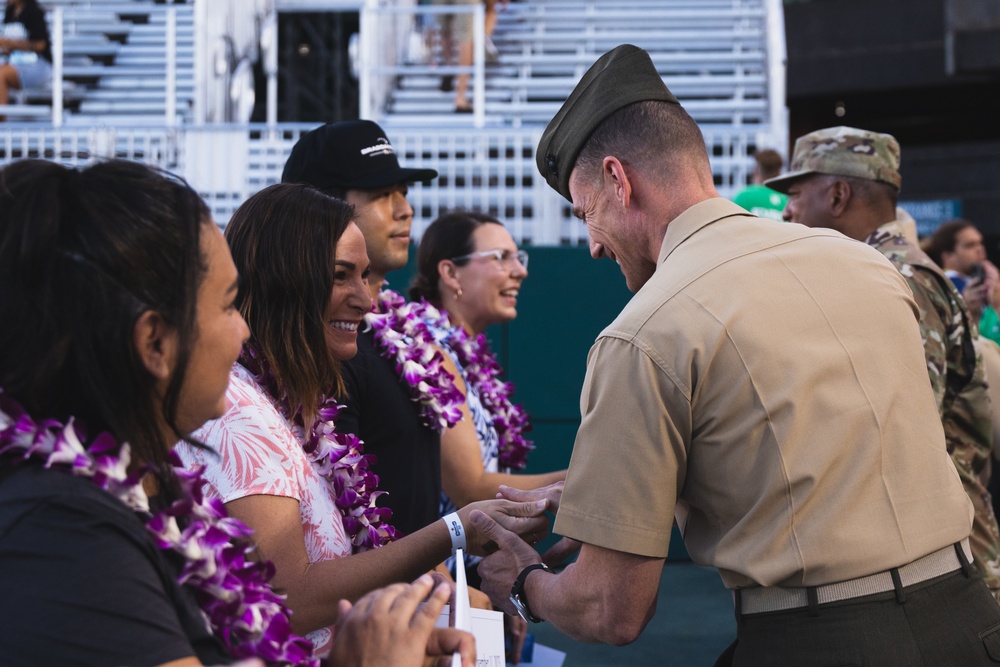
[(769, 380)]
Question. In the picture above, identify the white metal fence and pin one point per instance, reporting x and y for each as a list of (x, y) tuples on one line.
[(491, 170)]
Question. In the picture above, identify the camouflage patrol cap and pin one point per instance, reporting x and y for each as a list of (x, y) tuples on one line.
[(843, 151), (625, 75)]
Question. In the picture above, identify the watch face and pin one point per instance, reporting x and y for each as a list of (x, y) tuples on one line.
[(519, 606)]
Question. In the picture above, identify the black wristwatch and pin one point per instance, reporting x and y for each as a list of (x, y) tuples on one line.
[(518, 597)]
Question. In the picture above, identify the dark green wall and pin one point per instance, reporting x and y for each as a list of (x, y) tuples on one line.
[(565, 302)]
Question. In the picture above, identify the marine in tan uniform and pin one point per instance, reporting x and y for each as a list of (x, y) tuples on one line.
[(740, 391), (847, 179)]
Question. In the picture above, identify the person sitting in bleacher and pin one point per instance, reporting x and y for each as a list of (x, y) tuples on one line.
[(24, 40)]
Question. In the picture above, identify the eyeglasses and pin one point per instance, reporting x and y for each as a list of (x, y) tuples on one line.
[(504, 257)]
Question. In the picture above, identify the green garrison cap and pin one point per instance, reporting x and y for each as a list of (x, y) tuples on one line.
[(620, 77), (843, 151)]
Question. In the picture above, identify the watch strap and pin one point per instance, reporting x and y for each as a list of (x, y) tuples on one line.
[(517, 590)]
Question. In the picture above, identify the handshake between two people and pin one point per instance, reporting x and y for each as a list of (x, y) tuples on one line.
[(394, 626), (509, 552)]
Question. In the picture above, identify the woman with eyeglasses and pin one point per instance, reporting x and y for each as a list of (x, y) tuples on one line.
[(470, 272)]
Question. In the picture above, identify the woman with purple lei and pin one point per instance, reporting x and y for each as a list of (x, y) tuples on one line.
[(470, 273), (277, 460), (119, 332)]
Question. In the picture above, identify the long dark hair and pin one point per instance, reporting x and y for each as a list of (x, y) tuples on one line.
[(284, 240), (944, 239), (83, 254), (8, 14), (447, 237)]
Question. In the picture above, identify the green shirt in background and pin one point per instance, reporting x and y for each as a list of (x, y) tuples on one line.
[(989, 325), (762, 201)]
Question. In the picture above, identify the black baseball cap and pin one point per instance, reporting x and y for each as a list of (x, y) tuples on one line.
[(351, 154)]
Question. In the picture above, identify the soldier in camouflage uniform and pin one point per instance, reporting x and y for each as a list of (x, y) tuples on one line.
[(847, 179)]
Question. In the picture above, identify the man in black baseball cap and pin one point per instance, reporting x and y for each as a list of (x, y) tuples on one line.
[(354, 161)]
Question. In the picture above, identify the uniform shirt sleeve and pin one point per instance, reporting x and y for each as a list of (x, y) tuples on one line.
[(940, 327), (629, 460)]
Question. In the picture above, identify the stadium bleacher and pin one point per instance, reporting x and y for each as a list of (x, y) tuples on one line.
[(713, 54), (722, 58), (114, 62)]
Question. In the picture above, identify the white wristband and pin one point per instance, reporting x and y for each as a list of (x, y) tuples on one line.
[(456, 530)]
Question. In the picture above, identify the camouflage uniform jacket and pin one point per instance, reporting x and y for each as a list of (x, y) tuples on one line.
[(958, 378)]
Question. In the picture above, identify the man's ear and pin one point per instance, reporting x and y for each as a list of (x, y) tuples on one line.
[(616, 176), (156, 342), (839, 196)]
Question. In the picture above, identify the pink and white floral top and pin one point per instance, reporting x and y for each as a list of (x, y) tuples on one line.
[(260, 453)]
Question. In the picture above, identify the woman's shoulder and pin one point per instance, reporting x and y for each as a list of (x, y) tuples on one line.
[(251, 448), (32, 492), (247, 405)]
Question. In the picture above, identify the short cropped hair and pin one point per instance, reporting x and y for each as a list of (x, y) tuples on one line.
[(768, 163), (645, 133)]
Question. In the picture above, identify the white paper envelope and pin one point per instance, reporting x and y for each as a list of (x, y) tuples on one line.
[(487, 628)]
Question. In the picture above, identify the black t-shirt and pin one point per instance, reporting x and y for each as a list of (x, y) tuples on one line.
[(82, 583), (33, 19), (379, 410)]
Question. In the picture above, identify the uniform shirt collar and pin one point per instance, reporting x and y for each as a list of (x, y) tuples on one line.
[(695, 218)]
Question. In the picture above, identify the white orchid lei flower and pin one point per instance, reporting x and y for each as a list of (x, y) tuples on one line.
[(401, 333), (232, 589), (413, 321)]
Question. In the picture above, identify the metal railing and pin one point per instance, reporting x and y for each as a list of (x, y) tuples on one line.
[(490, 169), (385, 26), (57, 31)]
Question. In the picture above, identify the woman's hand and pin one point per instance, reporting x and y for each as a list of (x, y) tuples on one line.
[(394, 627), (500, 569), (526, 519), (552, 493)]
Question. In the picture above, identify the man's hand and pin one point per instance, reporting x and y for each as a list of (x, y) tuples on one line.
[(526, 519), (477, 598), (394, 627), (552, 493), (991, 277), (500, 569)]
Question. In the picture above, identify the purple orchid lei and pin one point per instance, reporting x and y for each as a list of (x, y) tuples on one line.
[(233, 590), (483, 372), (402, 335), (339, 458)]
